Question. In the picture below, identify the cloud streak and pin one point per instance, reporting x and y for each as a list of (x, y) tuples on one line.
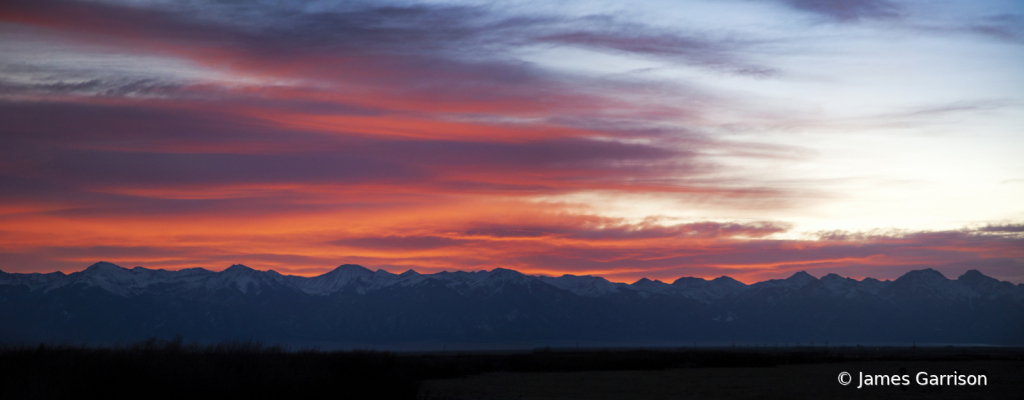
[(848, 10)]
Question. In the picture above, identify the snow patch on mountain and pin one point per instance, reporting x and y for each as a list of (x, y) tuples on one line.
[(332, 281), (649, 286), (706, 291), (245, 279), (852, 288), (586, 285)]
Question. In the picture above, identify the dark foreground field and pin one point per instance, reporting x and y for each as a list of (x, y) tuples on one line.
[(172, 369)]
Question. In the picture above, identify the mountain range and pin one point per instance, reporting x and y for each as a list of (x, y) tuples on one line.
[(351, 304)]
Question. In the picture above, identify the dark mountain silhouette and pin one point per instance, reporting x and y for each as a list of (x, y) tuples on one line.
[(351, 304)]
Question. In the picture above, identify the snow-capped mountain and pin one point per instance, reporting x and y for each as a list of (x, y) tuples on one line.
[(707, 291), (586, 285), (105, 302), (929, 284), (338, 278), (852, 288)]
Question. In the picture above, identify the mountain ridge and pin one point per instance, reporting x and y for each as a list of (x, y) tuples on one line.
[(106, 302), (126, 282)]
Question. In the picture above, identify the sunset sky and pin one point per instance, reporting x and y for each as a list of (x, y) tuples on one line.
[(749, 138)]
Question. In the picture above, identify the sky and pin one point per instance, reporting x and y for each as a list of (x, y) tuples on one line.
[(658, 139)]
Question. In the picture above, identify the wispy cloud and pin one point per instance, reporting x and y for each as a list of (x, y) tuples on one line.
[(848, 10)]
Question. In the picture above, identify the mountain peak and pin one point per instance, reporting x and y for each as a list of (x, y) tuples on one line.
[(647, 285), (352, 268), (926, 271), (980, 283), (727, 279), (238, 268), (802, 275), (103, 266), (689, 281), (585, 285), (347, 272), (801, 278), (502, 274), (972, 275), (926, 275)]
